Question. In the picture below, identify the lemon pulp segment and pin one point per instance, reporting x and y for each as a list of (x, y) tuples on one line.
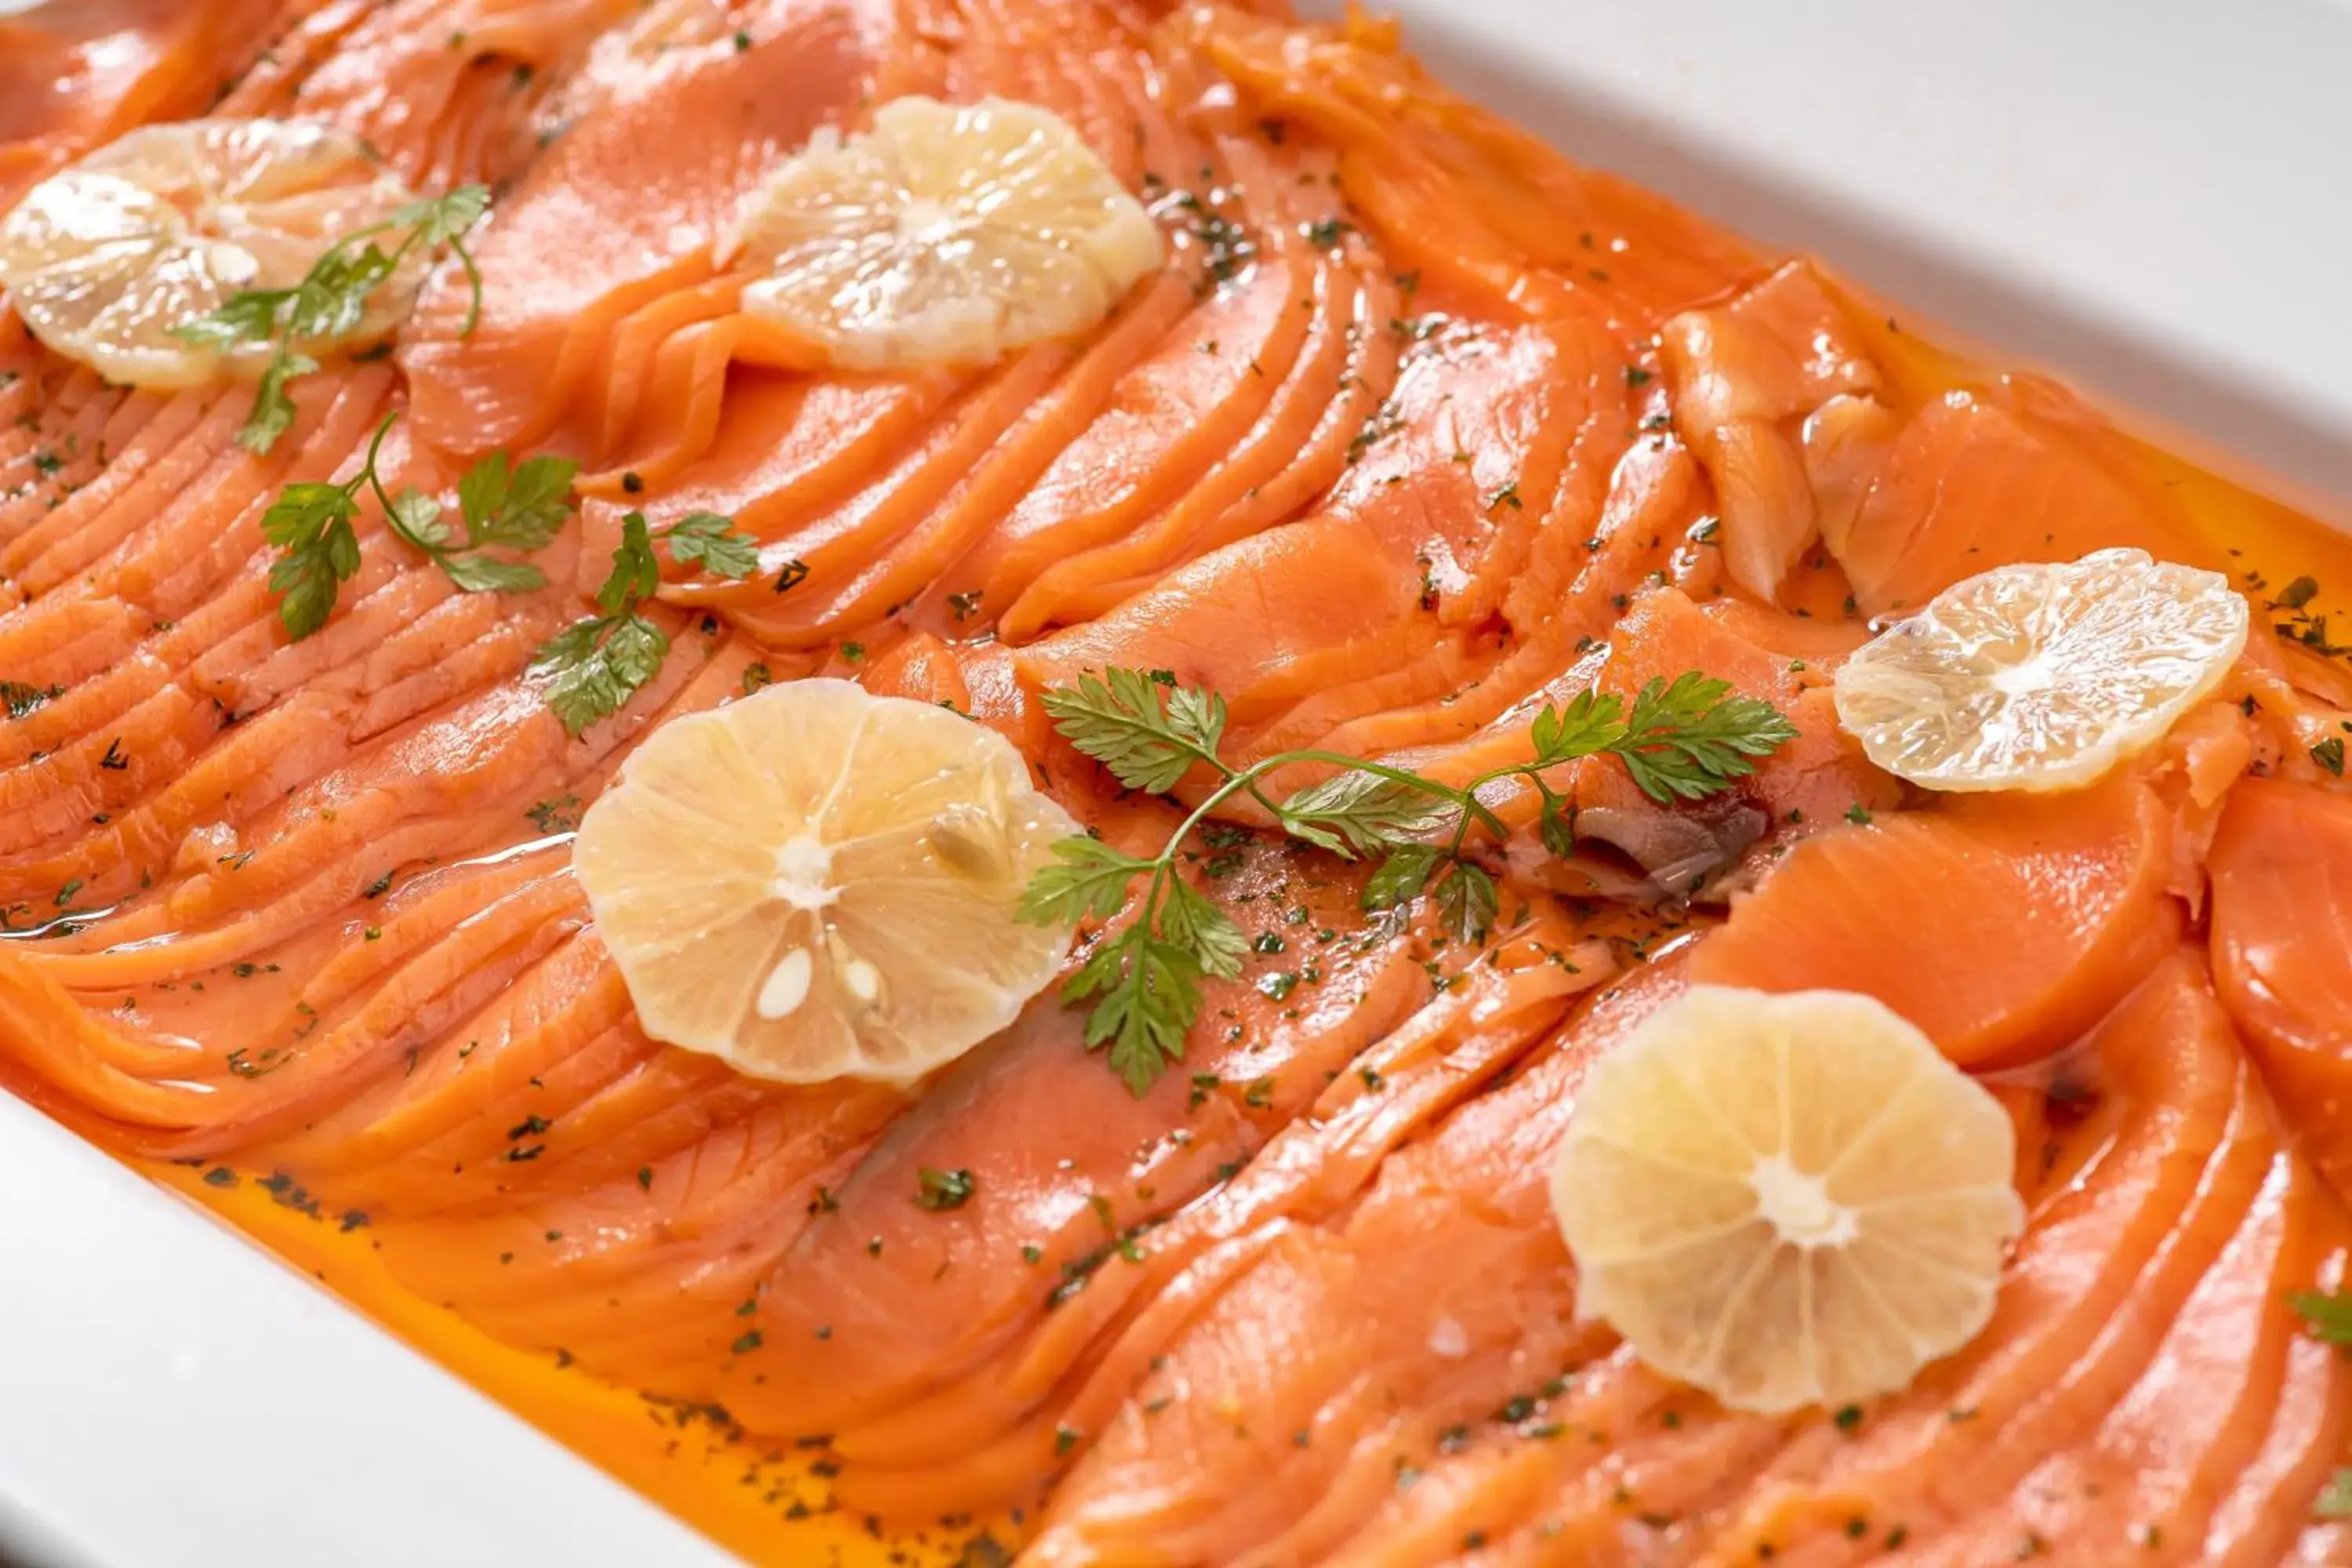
[(106, 258), (2042, 677), (814, 882), (1785, 1200), (946, 233)]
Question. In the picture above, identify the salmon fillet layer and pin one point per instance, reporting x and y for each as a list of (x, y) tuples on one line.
[(1420, 426)]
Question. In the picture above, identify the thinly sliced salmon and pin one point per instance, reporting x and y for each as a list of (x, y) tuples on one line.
[(2282, 878), (1981, 477), (1077, 1190), (1422, 426), (2059, 903), (1344, 1352), (1745, 378), (620, 209), (74, 75), (1072, 1371), (2142, 1199), (1523, 229), (1355, 590)]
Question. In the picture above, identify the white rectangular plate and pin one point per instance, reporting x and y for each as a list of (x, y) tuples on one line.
[(2143, 195)]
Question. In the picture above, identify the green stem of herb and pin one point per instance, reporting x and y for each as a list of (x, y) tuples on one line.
[(375, 444), (473, 285), (1244, 781), (400, 253)]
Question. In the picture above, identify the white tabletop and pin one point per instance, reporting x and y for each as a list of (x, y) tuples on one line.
[(2145, 197)]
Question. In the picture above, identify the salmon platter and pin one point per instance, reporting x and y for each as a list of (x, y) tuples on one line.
[(1084, 783)]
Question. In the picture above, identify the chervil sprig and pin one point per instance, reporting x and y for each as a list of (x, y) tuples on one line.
[(2326, 1314), (332, 298), (519, 508), (599, 663), (1680, 741)]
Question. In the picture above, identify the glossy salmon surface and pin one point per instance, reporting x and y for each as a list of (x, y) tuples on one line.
[(1422, 426)]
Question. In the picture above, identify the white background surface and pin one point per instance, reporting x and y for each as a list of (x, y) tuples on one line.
[(2146, 195)]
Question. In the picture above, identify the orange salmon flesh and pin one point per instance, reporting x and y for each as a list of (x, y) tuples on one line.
[(1421, 426)]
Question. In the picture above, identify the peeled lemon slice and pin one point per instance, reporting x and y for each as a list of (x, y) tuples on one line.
[(2044, 676), (815, 882), (1785, 1200), (945, 235), (105, 257)]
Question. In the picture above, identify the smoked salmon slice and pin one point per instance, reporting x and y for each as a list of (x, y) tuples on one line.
[(2065, 909), (1746, 377), (1421, 428), (2282, 877)]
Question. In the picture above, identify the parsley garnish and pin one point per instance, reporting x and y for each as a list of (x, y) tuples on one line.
[(521, 507), (944, 1189), (1685, 740), (311, 524), (709, 539), (599, 663), (2326, 1315), (22, 699), (2335, 1499), (331, 298)]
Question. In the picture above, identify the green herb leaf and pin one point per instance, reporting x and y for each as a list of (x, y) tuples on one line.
[(417, 519), (598, 665), (1150, 993), (1196, 717), (331, 299), (273, 411), (1119, 722), (1086, 877), (1466, 902), (519, 510), (1688, 740), (2335, 1499), (305, 578), (311, 525), (2326, 1315), (440, 219), (303, 511), (1360, 812), (1401, 877), (1682, 741), (636, 575), (250, 316), (940, 1190), (711, 539), (489, 574), (1591, 722), (524, 507), (444, 220), (1189, 920), (1556, 826)]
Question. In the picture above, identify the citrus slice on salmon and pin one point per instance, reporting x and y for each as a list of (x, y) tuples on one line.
[(108, 257), (816, 883), (2042, 677), (946, 235), (1785, 1200)]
